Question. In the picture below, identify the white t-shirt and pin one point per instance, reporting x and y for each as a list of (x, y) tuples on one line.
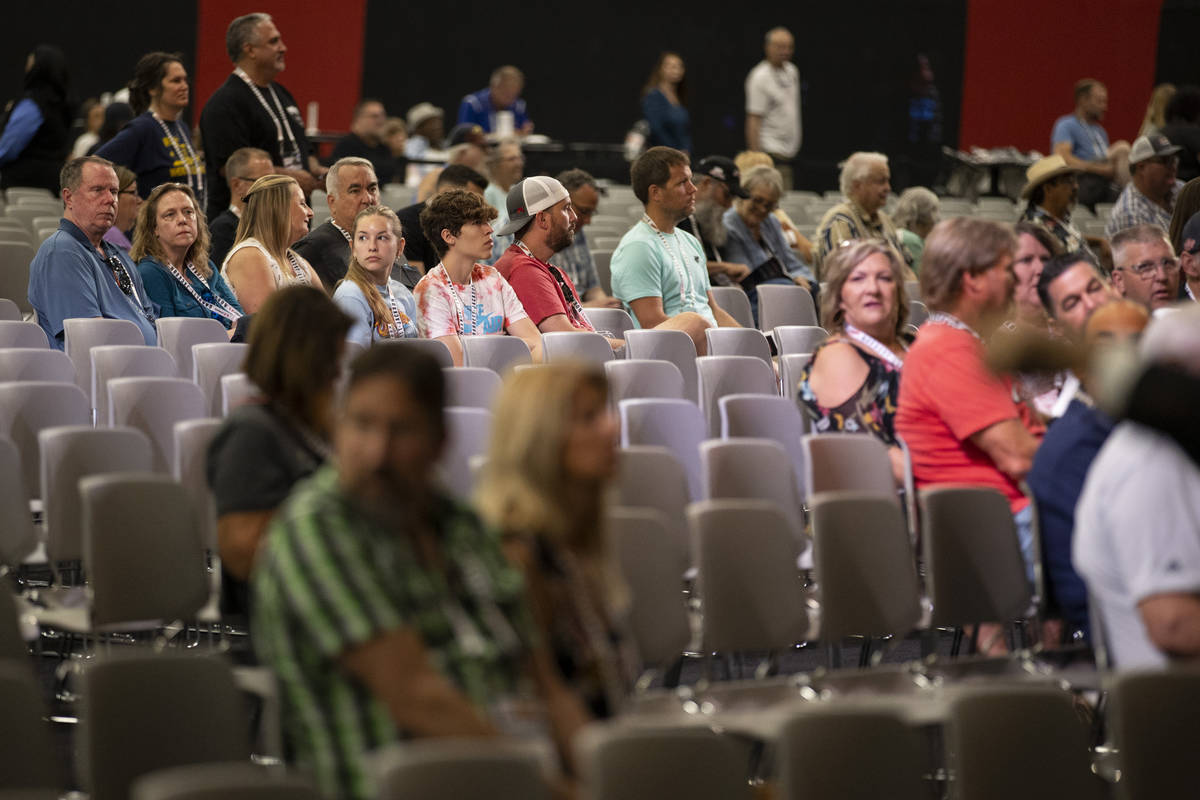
[(486, 305), (774, 94), (1137, 534)]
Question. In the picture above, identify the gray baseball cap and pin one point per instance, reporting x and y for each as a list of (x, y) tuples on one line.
[(527, 198)]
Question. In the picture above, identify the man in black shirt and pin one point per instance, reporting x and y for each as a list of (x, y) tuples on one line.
[(242, 169), (417, 249), (365, 140), (251, 110)]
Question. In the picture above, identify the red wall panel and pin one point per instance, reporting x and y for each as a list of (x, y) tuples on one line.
[(1022, 60), (324, 58)]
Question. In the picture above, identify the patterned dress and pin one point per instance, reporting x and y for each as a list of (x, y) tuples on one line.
[(872, 409)]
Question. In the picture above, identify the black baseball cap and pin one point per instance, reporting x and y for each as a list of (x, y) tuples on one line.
[(722, 169)]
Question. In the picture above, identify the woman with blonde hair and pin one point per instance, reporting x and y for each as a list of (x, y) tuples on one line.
[(1156, 109), (262, 259), (551, 457), (381, 308), (171, 246)]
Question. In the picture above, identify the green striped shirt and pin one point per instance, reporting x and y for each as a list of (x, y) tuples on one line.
[(329, 578)]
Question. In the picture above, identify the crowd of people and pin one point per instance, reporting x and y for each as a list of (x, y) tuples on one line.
[(389, 609)]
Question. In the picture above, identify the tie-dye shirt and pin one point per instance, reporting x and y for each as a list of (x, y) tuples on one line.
[(486, 305)]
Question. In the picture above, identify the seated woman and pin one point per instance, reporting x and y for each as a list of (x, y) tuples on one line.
[(460, 296), (543, 487), (128, 203), (381, 308), (262, 259), (265, 447), (916, 213), (171, 248), (756, 237), (852, 381)]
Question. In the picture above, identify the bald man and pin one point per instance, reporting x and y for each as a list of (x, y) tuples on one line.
[(773, 103)]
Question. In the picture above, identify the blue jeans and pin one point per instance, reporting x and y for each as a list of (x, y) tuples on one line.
[(1024, 522)]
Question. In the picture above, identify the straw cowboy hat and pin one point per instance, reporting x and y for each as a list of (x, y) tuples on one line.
[(1042, 170)]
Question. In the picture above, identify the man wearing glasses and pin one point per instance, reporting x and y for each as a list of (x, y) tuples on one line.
[(1149, 197), (1145, 269), (75, 272)]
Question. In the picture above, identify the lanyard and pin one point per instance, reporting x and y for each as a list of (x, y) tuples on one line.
[(281, 122), (942, 318), (568, 293), (188, 159), (220, 308), (460, 311), (299, 271), (685, 285), (395, 328), (341, 230), (874, 345)]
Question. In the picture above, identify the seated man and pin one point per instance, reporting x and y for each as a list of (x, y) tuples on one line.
[(503, 95), (1081, 141), (542, 221), (75, 272), (718, 181), (1137, 536), (1071, 288), (242, 169), (386, 608), (1145, 269), (366, 140), (350, 186), (866, 182), (575, 260), (417, 250), (1149, 197), (1062, 463), (960, 420), (658, 271)]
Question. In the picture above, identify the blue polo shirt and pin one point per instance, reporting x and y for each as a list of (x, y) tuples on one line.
[(1089, 141), (476, 108), (69, 279)]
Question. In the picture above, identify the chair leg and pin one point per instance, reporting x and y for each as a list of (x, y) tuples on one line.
[(834, 654)]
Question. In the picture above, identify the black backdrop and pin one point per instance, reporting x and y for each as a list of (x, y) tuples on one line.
[(585, 65), (1177, 61)]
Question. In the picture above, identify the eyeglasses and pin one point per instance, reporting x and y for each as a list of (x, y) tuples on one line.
[(1147, 269), (764, 203)]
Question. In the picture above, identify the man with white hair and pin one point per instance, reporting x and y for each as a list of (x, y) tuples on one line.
[(773, 103), (1137, 541), (866, 184), (1145, 269)]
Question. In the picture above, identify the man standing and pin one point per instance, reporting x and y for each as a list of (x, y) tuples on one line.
[(503, 96), (576, 258), (719, 182), (1083, 144), (1145, 269), (962, 423), (866, 182), (387, 609), (773, 103), (75, 272), (542, 221), (417, 250), (251, 110), (242, 169), (506, 166), (658, 271), (365, 140), (1149, 197), (351, 186)]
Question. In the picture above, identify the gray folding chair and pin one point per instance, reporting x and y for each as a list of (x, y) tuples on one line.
[(35, 364), (734, 302), (767, 417), (1021, 741), (125, 361), (646, 554), (192, 437), (833, 753), (236, 390), (840, 461), (70, 453), (177, 335), (614, 320), (14, 272), (28, 408), (722, 375), (677, 425), (14, 333), (785, 305), (798, 338), (27, 212), (603, 261), (13, 647), (746, 553), (18, 539), (467, 433), (210, 363), (754, 469), (9, 311), (667, 345), (27, 757), (432, 347), (497, 353), (470, 387), (143, 712), (471, 769), (81, 335), (153, 406), (738, 342), (575, 346), (652, 477), (790, 367), (642, 377), (1154, 718), (627, 762), (227, 781)]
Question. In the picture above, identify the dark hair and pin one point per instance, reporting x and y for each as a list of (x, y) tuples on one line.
[(655, 78), (1184, 106), (71, 175), (1187, 203), (412, 367), (48, 83), (241, 32), (460, 175), (293, 359), (576, 178), (148, 76), (1084, 87), (366, 101), (653, 168), (1044, 237), (1056, 266), (451, 210), (116, 117)]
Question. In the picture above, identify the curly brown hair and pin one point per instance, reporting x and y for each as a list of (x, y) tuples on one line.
[(451, 210)]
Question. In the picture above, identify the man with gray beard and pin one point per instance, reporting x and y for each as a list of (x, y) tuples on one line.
[(717, 183)]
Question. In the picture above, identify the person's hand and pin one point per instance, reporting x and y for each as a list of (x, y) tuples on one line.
[(527, 128), (800, 280), (737, 272)]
